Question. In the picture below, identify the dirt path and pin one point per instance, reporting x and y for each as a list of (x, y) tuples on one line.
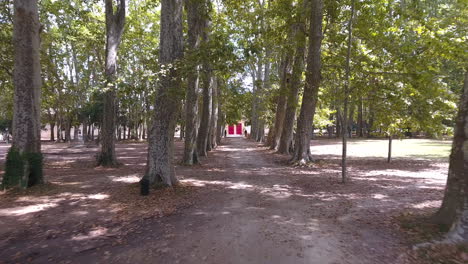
[(256, 213), (242, 205)]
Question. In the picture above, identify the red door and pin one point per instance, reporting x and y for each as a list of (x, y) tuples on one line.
[(239, 129), (231, 130)]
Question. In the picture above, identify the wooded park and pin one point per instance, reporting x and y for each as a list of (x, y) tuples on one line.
[(227, 131)]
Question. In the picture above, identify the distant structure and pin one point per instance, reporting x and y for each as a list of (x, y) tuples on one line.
[(237, 130)]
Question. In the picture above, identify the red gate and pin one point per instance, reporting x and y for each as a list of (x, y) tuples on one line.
[(239, 129), (231, 130)]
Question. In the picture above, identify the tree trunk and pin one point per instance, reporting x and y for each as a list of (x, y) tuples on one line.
[(309, 101), (389, 156), (182, 131), (214, 115), (221, 117), (88, 132), (360, 129), (266, 87), (23, 165), (76, 131), (257, 83), (84, 131), (52, 131), (160, 168), (115, 21), (138, 132), (454, 210), (207, 79), (346, 97), (203, 131), (294, 87), (68, 129), (195, 26), (59, 131), (370, 123), (281, 105)]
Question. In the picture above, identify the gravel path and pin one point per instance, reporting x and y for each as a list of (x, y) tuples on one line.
[(242, 205), (257, 213)]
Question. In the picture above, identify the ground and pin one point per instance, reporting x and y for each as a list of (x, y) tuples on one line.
[(244, 204)]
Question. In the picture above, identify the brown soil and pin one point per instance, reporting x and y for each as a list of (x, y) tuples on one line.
[(242, 205)]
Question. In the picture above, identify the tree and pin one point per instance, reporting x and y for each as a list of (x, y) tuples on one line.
[(346, 95), (196, 15), (115, 22), (299, 34), (208, 80), (212, 143), (454, 210), (204, 128), (280, 112), (160, 169), (309, 100), (24, 160)]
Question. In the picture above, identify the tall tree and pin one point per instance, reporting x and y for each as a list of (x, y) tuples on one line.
[(256, 72), (299, 29), (115, 22), (259, 71), (160, 168), (214, 115), (277, 128), (309, 100), (24, 160), (207, 86), (344, 122), (220, 126), (454, 210), (196, 15), (204, 128)]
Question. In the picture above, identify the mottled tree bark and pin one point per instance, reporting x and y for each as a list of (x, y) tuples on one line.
[(115, 21), (221, 116), (160, 168), (203, 130), (454, 210), (68, 122), (214, 115), (257, 87), (24, 160), (196, 9), (294, 86), (266, 87), (281, 105), (309, 100), (207, 82)]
